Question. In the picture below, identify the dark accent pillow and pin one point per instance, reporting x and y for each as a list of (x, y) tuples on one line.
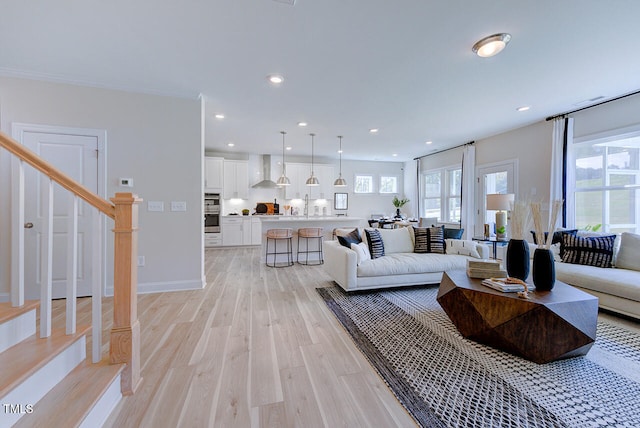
[(436, 239), (374, 240), (421, 235), (352, 237), (592, 251), (450, 233), (557, 237)]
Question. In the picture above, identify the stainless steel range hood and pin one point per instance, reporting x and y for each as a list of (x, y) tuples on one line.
[(266, 174)]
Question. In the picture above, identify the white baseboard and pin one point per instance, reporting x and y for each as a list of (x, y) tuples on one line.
[(160, 287)]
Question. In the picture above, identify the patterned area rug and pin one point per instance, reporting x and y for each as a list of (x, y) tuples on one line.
[(445, 380)]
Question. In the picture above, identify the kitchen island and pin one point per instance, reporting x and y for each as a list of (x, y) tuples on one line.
[(327, 223)]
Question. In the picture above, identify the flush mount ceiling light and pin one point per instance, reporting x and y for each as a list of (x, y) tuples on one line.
[(428, 142), (523, 108), (312, 180), (492, 45), (302, 123), (340, 182), (275, 79), (219, 116), (374, 130), (283, 180)]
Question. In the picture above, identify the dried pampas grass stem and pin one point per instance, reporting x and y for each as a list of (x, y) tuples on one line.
[(538, 226), (520, 219)]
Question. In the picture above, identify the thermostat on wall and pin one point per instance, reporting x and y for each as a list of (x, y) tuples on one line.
[(126, 182)]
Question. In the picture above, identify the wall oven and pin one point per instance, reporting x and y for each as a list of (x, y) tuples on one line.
[(211, 213)]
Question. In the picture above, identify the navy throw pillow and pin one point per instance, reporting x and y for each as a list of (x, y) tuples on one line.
[(352, 237), (450, 233)]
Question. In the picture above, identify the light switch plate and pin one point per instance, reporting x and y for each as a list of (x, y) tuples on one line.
[(178, 206), (156, 206), (125, 182)]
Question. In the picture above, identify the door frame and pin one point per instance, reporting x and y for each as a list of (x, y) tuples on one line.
[(17, 132)]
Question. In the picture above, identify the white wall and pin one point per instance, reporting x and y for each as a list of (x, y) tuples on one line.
[(154, 140)]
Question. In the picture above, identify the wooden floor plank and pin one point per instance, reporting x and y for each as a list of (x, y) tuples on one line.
[(256, 348)]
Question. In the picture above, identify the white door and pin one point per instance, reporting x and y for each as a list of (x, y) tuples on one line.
[(495, 178), (76, 156)]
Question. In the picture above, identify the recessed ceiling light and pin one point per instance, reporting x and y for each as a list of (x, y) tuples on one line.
[(230, 144), (428, 142), (289, 147), (219, 116), (394, 155), (276, 79), (339, 151), (492, 45), (302, 123), (523, 108), (374, 130)]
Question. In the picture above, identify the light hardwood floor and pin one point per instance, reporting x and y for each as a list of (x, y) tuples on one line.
[(256, 348)]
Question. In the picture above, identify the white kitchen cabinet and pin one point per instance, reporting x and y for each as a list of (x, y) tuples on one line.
[(212, 239), (236, 179), (213, 174), (231, 231), (324, 173), (246, 230), (256, 231), (296, 173)]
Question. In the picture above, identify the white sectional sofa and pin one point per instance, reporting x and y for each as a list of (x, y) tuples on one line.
[(400, 266), (618, 287)]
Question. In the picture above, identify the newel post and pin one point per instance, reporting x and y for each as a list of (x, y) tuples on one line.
[(125, 334)]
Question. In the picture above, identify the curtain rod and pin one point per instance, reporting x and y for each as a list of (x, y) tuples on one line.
[(445, 150), (594, 105)]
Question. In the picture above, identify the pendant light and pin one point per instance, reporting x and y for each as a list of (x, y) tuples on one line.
[(312, 181), (340, 182), (283, 180)]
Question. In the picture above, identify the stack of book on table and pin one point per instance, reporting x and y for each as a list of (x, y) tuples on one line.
[(485, 269), (501, 284)]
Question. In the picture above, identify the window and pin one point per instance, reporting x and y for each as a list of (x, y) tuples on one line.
[(441, 194), (388, 184), (363, 184), (606, 193)]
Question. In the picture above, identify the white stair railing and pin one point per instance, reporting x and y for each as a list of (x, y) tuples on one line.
[(123, 209)]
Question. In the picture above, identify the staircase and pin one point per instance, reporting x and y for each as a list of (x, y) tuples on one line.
[(48, 382), (46, 378)]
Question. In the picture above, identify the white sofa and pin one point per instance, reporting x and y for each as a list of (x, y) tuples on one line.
[(617, 288), (399, 267)]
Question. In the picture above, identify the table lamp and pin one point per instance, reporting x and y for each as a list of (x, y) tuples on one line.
[(501, 203)]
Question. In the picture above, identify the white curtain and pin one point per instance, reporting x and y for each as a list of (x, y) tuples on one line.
[(562, 177), (467, 214)]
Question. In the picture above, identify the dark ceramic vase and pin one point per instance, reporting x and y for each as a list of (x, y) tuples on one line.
[(398, 213), (544, 269), (518, 259)]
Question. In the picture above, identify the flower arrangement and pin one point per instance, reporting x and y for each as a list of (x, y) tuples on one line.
[(399, 203)]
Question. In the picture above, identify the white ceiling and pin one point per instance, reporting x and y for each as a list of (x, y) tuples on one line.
[(405, 67)]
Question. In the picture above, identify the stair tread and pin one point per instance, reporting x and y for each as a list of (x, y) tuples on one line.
[(28, 356), (80, 389), (8, 312)]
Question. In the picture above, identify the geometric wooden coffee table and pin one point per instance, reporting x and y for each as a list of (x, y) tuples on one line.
[(548, 326)]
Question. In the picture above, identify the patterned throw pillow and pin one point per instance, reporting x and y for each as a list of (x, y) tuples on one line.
[(421, 235), (436, 240), (352, 237), (376, 246), (592, 251), (429, 240)]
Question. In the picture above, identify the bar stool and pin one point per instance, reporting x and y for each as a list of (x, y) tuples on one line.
[(307, 233), (276, 235)]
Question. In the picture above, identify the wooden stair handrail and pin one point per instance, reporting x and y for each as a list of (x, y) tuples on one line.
[(56, 175)]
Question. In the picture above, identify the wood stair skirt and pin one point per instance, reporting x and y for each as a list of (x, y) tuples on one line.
[(49, 382)]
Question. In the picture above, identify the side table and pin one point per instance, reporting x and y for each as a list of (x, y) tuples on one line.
[(495, 242)]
